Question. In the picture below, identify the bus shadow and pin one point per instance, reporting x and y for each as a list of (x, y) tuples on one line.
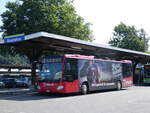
[(142, 85), (106, 91), (48, 96)]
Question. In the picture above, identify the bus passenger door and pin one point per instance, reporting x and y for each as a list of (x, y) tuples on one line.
[(71, 75)]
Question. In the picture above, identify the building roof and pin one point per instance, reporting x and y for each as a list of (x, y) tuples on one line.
[(53, 42)]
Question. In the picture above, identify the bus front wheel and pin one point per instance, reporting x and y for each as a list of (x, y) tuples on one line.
[(84, 89)]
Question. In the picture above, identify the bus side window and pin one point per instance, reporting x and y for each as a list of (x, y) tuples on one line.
[(70, 71)]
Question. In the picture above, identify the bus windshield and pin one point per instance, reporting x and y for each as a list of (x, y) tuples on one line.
[(50, 72)]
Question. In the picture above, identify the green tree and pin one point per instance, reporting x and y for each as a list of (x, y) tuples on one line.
[(15, 60), (53, 16), (129, 37)]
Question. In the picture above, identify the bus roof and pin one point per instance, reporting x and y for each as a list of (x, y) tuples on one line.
[(119, 61), (78, 56)]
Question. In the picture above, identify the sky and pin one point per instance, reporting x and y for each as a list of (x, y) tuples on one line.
[(106, 14), (2, 9), (2, 6)]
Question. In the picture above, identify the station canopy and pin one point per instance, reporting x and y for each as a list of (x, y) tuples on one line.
[(46, 41)]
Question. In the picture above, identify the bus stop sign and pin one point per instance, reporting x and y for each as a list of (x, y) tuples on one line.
[(14, 38)]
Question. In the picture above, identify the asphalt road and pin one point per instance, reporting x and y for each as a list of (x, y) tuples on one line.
[(131, 100)]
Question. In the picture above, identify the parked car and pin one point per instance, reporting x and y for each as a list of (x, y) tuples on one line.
[(13, 82), (9, 82), (21, 84), (25, 80)]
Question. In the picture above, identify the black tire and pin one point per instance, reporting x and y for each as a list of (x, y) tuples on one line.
[(84, 89), (119, 85)]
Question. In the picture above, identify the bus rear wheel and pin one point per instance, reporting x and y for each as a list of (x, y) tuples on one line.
[(119, 85), (84, 89)]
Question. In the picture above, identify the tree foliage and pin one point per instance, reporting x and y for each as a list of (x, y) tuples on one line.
[(53, 16), (15, 60), (129, 37)]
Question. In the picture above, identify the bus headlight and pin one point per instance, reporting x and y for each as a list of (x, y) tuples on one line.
[(60, 87)]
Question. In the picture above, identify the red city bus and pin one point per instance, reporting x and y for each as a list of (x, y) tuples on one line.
[(79, 73)]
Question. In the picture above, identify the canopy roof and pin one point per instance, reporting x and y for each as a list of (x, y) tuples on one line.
[(53, 42)]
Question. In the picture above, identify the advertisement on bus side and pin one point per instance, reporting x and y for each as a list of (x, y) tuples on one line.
[(99, 73)]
